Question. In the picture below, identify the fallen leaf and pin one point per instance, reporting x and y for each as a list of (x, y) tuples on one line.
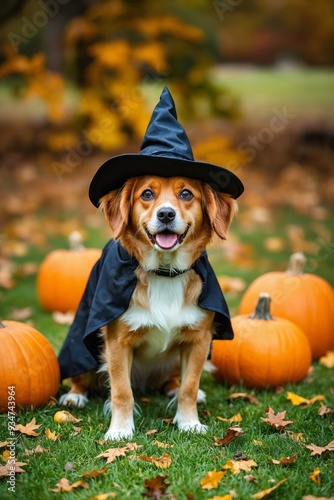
[(212, 479), (277, 421), (5, 456), (11, 466), (28, 429), (112, 453), (64, 485), (239, 455), (4, 443), (162, 445), (232, 420), (63, 318), (145, 400), (250, 478), (168, 420), (319, 450), (156, 487), (103, 496), (22, 313), (315, 476), (152, 431), (76, 430), (327, 360), (52, 436), (324, 410), (235, 466), (284, 460), (64, 417), (264, 493), (38, 449), (274, 244), (299, 400), (162, 462), (95, 473), (232, 433), (311, 497), (258, 442), (296, 436), (244, 395), (219, 497)]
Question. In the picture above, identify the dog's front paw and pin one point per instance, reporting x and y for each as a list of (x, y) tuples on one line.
[(116, 434), (189, 424), (73, 399)]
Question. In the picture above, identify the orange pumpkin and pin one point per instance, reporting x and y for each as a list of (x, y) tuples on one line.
[(63, 274), (265, 351), (305, 299), (29, 369)]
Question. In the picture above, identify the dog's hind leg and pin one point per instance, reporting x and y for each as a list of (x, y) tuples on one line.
[(77, 395)]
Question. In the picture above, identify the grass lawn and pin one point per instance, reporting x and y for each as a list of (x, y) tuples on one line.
[(193, 456)]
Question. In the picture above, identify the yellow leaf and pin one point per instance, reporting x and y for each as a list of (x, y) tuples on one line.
[(315, 476), (64, 417), (235, 418), (264, 493), (162, 462), (299, 400), (162, 445), (52, 436), (225, 497), (235, 466), (284, 460), (257, 442), (5, 456), (212, 479), (327, 360)]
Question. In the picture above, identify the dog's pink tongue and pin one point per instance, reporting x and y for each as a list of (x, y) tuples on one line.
[(166, 240)]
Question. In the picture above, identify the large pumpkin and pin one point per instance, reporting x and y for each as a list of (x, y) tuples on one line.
[(29, 369), (305, 299), (63, 275), (265, 351)]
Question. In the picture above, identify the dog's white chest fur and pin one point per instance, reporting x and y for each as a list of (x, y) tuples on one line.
[(165, 315)]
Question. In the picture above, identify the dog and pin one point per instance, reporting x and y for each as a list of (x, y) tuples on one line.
[(164, 335)]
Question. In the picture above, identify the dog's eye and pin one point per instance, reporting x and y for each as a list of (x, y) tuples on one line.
[(147, 195), (186, 195)]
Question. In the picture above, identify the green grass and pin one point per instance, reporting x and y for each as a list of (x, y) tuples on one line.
[(192, 455)]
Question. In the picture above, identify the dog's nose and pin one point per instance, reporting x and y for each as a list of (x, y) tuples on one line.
[(166, 214)]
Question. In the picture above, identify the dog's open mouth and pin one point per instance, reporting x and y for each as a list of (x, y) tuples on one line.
[(166, 239)]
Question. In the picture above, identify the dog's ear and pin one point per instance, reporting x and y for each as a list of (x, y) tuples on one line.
[(116, 206), (220, 209)]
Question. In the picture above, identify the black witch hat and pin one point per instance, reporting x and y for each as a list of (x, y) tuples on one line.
[(165, 152)]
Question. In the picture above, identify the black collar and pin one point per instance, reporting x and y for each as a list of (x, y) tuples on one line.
[(169, 273)]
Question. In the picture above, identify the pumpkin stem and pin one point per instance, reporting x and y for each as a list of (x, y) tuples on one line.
[(262, 310), (296, 264), (75, 241)]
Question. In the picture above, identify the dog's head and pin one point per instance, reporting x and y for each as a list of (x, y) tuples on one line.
[(167, 214)]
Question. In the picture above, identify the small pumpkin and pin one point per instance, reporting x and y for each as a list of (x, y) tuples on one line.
[(265, 351), (305, 299), (63, 274), (29, 369)]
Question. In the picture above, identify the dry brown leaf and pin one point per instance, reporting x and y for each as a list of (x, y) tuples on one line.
[(64, 485), (28, 429), (319, 450), (324, 411), (21, 314), (64, 417), (162, 462), (156, 487), (212, 479), (264, 493), (327, 360), (145, 400), (112, 453), (244, 395), (4, 443), (284, 460), (315, 476), (162, 445), (250, 478), (103, 496), (11, 466), (51, 435), (232, 420), (277, 421), (235, 466), (311, 497), (232, 433), (152, 431), (299, 400), (296, 436), (38, 449), (95, 473)]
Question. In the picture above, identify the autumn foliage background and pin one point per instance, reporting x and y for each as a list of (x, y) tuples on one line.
[(253, 83)]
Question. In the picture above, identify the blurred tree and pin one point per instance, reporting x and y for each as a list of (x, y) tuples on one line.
[(113, 51)]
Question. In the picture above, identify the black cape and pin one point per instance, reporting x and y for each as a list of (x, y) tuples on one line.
[(107, 296)]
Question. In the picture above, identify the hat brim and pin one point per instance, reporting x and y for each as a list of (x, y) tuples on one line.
[(117, 170)]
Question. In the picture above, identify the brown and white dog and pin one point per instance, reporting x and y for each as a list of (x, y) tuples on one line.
[(165, 223)]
